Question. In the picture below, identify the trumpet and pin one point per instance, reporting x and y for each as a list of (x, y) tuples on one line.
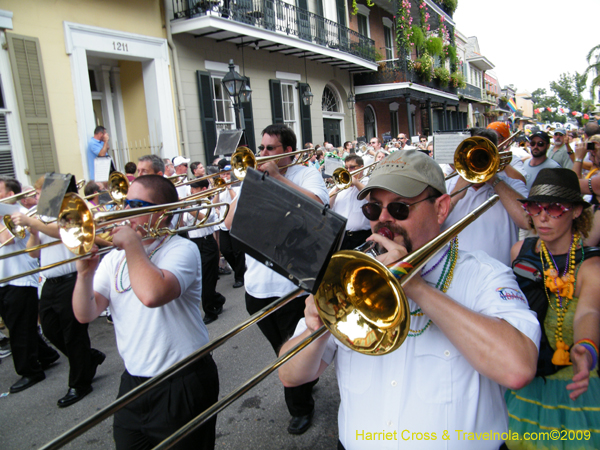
[(243, 158)]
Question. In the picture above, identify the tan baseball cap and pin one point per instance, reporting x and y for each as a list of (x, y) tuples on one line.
[(406, 173)]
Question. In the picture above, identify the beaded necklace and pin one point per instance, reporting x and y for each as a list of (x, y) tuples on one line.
[(563, 286), (122, 264), (443, 283)]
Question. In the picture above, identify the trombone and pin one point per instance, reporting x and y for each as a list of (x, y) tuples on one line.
[(342, 178), (372, 296), (77, 226), (243, 158), (477, 159)]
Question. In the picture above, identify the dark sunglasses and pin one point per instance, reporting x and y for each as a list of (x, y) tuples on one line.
[(554, 210), (269, 148), (138, 203), (538, 144), (398, 210)]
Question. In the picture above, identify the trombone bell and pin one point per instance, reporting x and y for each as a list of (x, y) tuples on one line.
[(476, 159), (76, 224)]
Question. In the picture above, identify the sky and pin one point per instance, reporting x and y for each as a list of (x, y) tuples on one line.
[(531, 42)]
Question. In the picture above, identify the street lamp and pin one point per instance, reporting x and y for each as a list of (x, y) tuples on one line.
[(238, 90), (307, 95), (350, 101)]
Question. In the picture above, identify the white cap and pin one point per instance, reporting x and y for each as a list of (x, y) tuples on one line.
[(179, 160)]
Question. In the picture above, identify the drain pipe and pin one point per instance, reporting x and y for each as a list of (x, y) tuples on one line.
[(177, 76)]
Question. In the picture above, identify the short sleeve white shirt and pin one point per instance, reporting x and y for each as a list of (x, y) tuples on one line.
[(347, 205), (225, 197), (427, 386), (16, 265), (495, 232), (54, 254), (152, 339), (259, 280)]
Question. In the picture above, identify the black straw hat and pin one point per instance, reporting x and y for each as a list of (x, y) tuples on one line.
[(556, 185)]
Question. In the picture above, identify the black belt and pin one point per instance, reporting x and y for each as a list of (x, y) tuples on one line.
[(55, 280)]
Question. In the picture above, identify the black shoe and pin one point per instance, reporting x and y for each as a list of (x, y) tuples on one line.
[(48, 362), (109, 319), (220, 298), (238, 284), (26, 383), (299, 424), (73, 396), (224, 271), (209, 318), (97, 358)]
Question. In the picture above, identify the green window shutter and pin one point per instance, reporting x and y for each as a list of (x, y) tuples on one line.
[(304, 115), (249, 122), (276, 101), (32, 99), (207, 115)]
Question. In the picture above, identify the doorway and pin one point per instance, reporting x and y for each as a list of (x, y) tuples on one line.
[(331, 128)]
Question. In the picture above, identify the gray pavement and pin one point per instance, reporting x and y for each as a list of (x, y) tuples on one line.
[(258, 420)]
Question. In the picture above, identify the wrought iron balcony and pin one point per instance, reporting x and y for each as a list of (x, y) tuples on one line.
[(395, 71), (471, 91), (281, 17)]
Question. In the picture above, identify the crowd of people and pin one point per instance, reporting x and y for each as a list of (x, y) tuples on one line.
[(504, 318)]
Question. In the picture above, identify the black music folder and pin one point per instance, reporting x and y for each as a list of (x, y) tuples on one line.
[(56, 185), (285, 230)]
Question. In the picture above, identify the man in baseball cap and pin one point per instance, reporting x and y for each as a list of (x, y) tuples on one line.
[(561, 151), (439, 361)]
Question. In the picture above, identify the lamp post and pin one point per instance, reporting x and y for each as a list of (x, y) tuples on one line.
[(239, 92), (350, 101)]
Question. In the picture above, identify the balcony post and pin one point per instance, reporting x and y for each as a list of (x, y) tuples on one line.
[(408, 115), (445, 125), (458, 121), (430, 116)]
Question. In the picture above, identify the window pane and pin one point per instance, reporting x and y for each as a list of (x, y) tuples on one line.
[(362, 24)]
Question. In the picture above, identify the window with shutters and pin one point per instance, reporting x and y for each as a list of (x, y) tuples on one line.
[(32, 99), (225, 118), (6, 161), (363, 27), (289, 105), (389, 46)]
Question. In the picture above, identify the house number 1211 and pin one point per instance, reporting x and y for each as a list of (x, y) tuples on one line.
[(120, 46)]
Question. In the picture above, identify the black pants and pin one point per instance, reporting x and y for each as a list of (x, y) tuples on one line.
[(153, 417), (278, 327), (353, 239), (19, 309), (64, 331), (209, 254), (234, 256)]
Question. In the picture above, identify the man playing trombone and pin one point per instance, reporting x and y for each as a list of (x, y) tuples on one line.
[(263, 285), (153, 287), (471, 333)]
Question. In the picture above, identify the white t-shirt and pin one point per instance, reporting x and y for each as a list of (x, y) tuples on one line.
[(16, 265), (494, 232), (347, 205), (190, 219), (531, 172), (259, 280), (427, 386), (53, 254), (150, 340), (225, 197)]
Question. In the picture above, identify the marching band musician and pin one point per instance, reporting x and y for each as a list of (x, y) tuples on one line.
[(19, 306), (346, 204), (153, 287), (56, 311), (471, 332), (264, 285)]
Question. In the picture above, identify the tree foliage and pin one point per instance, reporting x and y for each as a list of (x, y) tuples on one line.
[(542, 101), (593, 59), (567, 92)]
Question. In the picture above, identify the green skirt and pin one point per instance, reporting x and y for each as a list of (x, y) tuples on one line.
[(544, 410)]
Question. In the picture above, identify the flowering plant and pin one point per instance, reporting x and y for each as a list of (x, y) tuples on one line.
[(442, 74), (457, 80), (424, 66), (424, 17), (404, 27)]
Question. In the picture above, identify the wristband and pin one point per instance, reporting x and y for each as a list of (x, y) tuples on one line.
[(590, 186), (579, 160), (590, 347), (496, 181)]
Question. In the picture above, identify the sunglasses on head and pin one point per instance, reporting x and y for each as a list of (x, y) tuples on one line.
[(538, 144), (554, 210), (398, 210), (269, 148), (138, 203)]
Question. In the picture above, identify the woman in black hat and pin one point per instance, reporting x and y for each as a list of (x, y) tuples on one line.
[(560, 279)]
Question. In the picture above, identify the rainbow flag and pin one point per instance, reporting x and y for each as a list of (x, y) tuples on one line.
[(512, 105)]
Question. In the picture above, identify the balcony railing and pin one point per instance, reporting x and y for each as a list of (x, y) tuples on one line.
[(471, 91), (281, 17), (394, 71)]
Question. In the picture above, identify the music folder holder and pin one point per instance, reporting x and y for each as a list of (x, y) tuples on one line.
[(56, 185), (103, 167), (285, 230)]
